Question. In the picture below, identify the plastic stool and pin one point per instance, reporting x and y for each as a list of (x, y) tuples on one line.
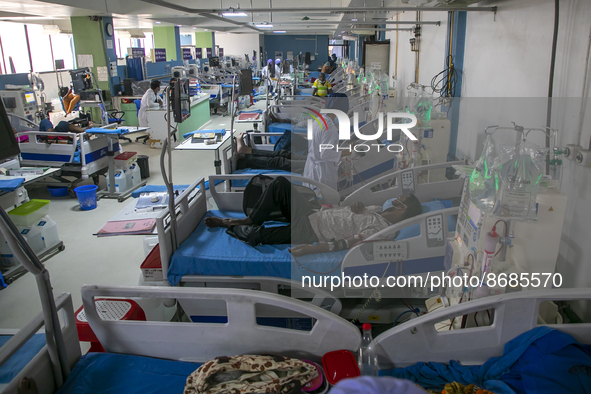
[(108, 309)]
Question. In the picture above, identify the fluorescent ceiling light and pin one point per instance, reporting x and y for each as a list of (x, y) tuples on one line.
[(194, 28), (234, 14), (51, 29), (204, 29), (158, 22), (265, 26), (279, 31), (354, 20), (342, 31), (179, 25)]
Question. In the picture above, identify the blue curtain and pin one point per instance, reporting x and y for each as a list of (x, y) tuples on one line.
[(135, 68)]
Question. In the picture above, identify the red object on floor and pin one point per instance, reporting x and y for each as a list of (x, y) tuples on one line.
[(112, 309), (339, 365)]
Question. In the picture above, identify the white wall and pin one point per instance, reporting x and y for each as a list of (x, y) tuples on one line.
[(238, 44), (506, 74), (431, 55)]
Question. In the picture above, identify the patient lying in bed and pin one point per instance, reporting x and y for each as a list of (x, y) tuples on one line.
[(315, 230)]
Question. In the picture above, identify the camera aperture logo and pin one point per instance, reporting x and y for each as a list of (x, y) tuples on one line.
[(345, 130)]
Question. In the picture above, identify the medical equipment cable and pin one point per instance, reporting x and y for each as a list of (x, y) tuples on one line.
[(551, 78), (375, 294), (417, 310)]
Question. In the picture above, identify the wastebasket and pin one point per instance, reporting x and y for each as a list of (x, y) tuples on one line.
[(142, 161)]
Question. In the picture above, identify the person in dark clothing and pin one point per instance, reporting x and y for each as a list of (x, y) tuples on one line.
[(315, 230), (266, 159)]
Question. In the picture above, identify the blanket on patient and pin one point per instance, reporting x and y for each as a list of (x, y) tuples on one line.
[(540, 361)]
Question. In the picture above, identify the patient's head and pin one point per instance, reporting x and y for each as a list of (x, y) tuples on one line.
[(404, 207)]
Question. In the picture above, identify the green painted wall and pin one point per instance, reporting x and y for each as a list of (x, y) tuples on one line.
[(165, 37), (88, 41), (204, 40)]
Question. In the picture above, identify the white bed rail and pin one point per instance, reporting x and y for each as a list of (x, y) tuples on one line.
[(40, 368), (200, 342), (360, 259), (190, 207), (268, 284), (405, 182), (228, 200), (514, 313)]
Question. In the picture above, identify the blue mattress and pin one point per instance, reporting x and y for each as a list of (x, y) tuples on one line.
[(21, 358), (118, 373), (210, 251)]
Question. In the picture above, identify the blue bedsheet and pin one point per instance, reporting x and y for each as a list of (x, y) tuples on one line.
[(539, 361), (162, 188), (210, 251), (98, 130), (119, 373), (21, 358), (9, 185)]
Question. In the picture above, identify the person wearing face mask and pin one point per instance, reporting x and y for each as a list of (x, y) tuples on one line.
[(149, 100), (321, 87)]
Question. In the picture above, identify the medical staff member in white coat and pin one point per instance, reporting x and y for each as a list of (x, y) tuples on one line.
[(323, 165), (149, 100)]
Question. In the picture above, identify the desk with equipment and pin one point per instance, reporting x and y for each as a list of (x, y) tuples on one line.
[(207, 140)]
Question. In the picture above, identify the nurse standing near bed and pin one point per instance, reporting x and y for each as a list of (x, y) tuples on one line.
[(323, 165)]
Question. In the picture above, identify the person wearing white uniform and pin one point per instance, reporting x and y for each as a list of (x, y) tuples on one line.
[(322, 165), (149, 100), (267, 75)]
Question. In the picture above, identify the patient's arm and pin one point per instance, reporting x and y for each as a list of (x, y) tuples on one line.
[(322, 247)]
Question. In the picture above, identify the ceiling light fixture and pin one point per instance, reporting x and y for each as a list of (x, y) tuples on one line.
[(231, 14), (264, 26), (204, 29), (354, 20), (157, 22), (279, 31)]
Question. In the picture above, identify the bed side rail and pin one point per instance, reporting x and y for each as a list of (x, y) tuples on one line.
[(514, 313), (199, 342), (190, 207), (418, 247), (40, 367), (33, 146), (407, 181), (269, 284), (228, 200)]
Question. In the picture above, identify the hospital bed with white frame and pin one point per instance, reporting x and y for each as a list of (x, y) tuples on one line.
[(404, 345), (192, 207)]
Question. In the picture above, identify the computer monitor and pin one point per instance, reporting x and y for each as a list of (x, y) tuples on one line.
[(285, 67), (8, 145), (214, 61), (181, 100), (246, 81), (81, 79), (9, 102)]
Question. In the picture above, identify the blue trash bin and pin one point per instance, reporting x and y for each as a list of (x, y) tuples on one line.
[(86, 197)]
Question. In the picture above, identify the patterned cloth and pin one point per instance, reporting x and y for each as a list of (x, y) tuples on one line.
[(458, 388), (250, 374)]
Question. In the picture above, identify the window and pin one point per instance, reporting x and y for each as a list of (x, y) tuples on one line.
[(40, 45), (14, 46)]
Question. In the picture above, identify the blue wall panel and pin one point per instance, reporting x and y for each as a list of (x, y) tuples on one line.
[(296, 44)]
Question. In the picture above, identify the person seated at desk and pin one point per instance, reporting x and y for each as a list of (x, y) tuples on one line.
[(150, 99), (315, 230), (321, 87), (69, 99), (62, 127)]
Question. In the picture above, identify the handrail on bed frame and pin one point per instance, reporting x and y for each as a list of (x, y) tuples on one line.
[(39, 368), (200, 342), (423, 191), (514, 313)]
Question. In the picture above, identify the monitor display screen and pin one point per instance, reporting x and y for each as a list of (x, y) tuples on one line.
[(181, 100), (8, 145), (214, 61), (30, 98), (246, 81)]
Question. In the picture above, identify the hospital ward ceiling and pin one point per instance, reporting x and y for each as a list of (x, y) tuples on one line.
[(232, 16)]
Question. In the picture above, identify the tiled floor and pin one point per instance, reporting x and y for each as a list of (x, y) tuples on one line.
[(91, 260)]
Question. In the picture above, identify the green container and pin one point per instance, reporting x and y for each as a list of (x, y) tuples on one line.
[(29, 212)]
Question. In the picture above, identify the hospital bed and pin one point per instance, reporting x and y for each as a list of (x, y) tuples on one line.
[(205, 253), (159, 356)]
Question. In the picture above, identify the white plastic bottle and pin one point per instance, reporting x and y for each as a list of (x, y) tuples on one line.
[(367, 359)]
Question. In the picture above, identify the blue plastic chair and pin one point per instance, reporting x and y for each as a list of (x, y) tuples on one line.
[(138, 104)]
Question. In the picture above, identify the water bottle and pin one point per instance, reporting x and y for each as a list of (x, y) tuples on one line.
[(367, 360)]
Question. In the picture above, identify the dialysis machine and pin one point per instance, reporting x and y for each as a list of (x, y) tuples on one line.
[(20, 101)]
